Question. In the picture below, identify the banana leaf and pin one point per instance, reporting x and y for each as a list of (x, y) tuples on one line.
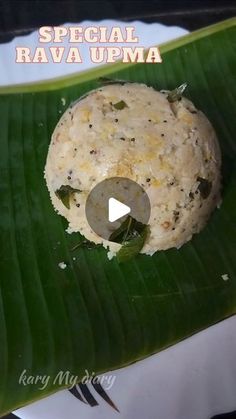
[(97, 314)]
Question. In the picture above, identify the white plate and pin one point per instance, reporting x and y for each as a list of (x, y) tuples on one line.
[(193, 379), (14, 73)]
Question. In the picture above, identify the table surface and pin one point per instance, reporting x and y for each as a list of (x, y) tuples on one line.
[(19, 17)]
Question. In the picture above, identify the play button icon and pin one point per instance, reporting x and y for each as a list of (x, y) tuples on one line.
[(116, 209), (111, 201)]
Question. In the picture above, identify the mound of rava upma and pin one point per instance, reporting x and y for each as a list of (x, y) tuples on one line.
[(130, 130)]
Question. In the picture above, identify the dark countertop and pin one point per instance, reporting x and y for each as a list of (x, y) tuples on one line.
[(18, 17)]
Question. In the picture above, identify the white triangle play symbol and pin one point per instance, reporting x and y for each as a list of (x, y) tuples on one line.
[(116, 209)]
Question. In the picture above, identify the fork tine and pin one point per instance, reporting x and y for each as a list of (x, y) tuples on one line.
[(87, 395), (100, 390), (77, 394)]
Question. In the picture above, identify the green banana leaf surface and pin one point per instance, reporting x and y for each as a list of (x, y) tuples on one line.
[(97, 314)]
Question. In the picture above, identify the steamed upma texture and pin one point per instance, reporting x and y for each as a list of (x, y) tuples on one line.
[(134, 131)]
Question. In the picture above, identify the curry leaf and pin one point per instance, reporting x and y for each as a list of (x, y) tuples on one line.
[(129, 229), (133, 246), (120, 105), (106, 81), (132, 235), (64, 193), (177, 93), (87, 244)]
